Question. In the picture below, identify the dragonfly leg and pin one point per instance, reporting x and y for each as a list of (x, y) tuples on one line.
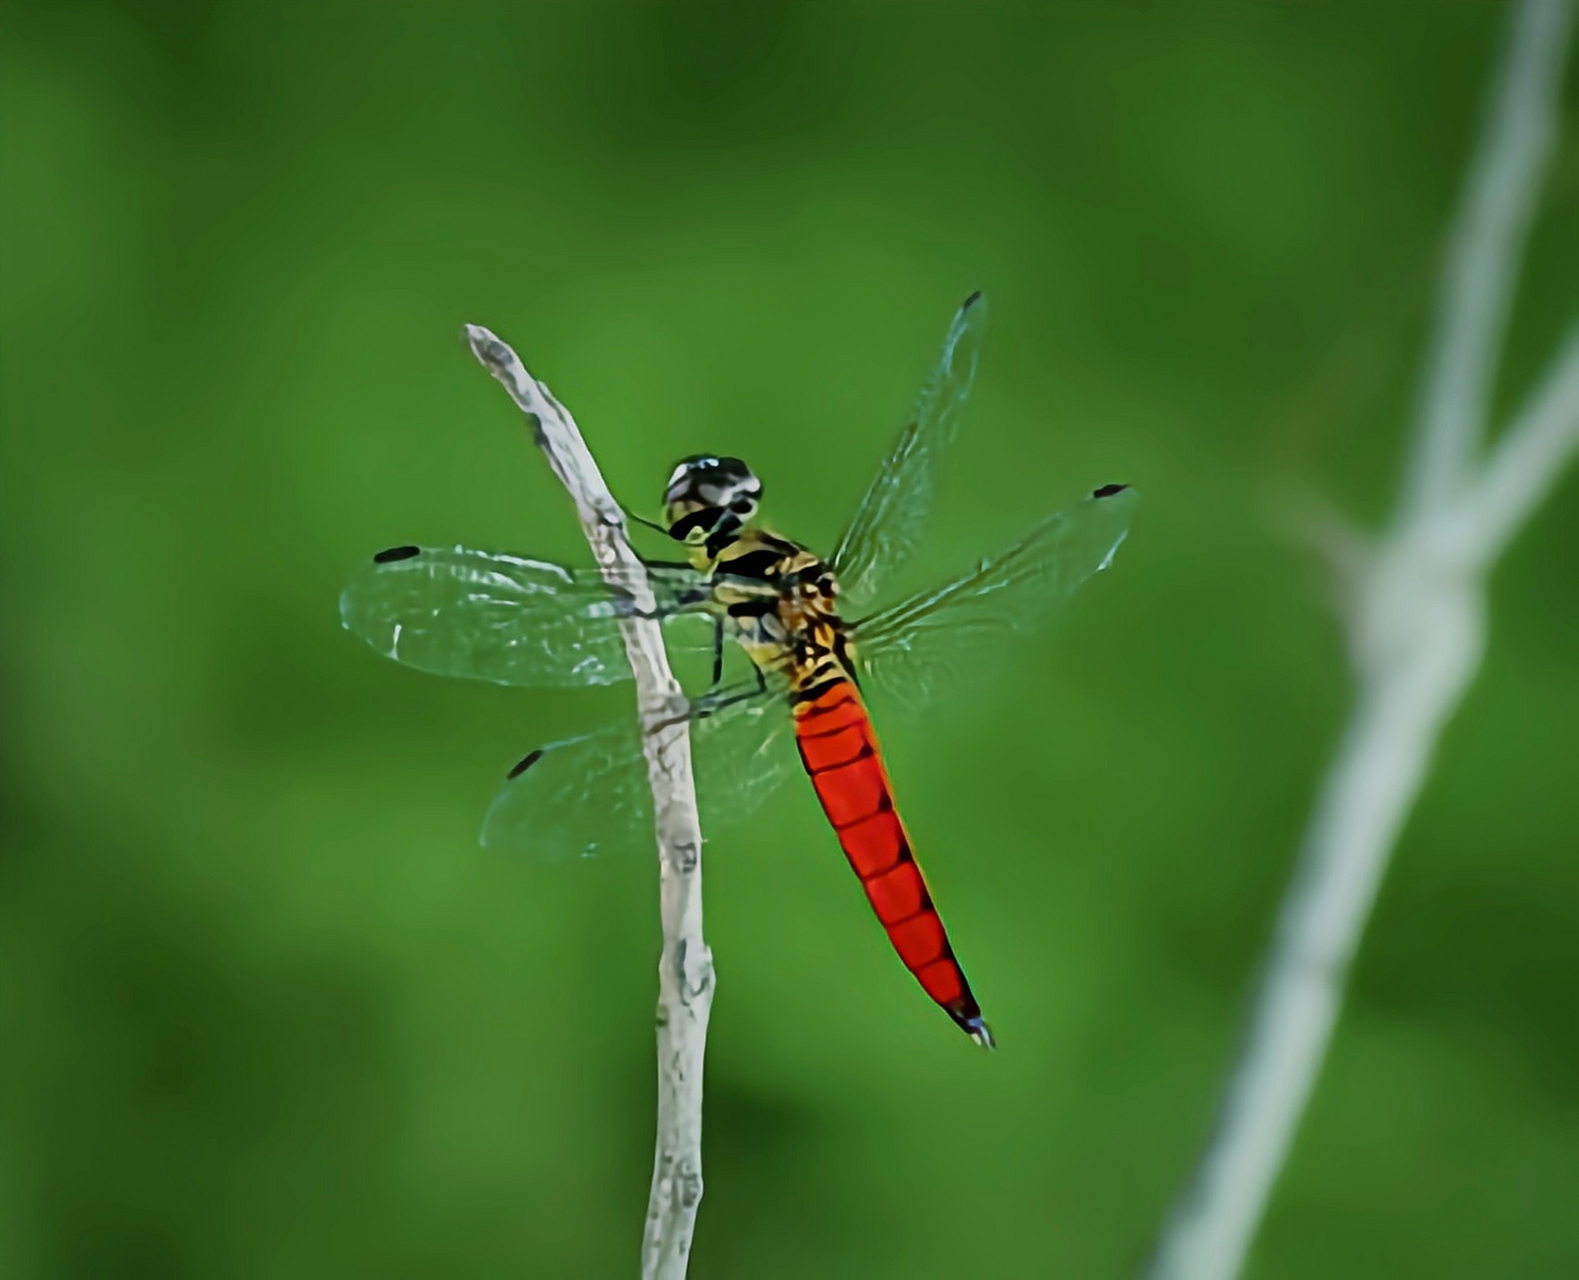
[(718, 651), (715, 701), (640, 519)]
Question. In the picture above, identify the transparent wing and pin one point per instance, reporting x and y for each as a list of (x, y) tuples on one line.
[(482, 616), (888, 523), (938, 637), (589, 795)]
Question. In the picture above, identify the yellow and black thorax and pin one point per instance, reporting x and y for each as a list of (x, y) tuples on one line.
[(779, 602)]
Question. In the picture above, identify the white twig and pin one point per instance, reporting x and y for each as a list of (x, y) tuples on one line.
[(685, 972), (1529, 458), (1414, 620), (1483, 256)]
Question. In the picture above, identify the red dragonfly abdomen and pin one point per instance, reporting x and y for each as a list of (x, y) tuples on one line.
[(840, 752)]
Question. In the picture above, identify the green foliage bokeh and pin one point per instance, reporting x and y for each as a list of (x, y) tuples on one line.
[(270, 1011)]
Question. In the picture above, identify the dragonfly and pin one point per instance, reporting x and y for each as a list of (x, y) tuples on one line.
[(808, 625)]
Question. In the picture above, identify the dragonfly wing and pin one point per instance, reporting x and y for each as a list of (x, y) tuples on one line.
[(888, 523), (501, 618), (936, 636), (574, 798), (589, 796), (741, 754)]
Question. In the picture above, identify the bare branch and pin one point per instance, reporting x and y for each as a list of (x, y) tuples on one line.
[(1484, 253), (1414, 619), (1527, 460), (685, 972), (1368, 792)]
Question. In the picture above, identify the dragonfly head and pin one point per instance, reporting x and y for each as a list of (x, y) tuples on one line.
[(707, 495)]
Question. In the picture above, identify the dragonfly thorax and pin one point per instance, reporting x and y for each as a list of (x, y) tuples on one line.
[(778, 601), (709, 499)]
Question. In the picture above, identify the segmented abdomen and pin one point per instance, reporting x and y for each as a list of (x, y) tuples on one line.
[(840, 752)]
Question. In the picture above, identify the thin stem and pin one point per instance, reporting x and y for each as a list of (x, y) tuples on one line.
[(1484, 252), (1413, 608), (1369, 790), (685, 971), (1528, 459)]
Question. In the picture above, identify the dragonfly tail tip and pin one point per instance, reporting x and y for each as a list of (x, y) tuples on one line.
[(978, 1030)]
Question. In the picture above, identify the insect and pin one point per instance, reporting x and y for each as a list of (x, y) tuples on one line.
[(804, 622)]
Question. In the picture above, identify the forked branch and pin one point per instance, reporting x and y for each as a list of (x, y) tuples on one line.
[(1413, 610), (685, 972)]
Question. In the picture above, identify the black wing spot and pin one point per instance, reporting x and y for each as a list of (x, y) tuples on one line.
[(971, 301), (526, 762), (396, 553), (1108, 490)]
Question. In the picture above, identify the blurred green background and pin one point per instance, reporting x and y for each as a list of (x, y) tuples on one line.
[(269, 1010)]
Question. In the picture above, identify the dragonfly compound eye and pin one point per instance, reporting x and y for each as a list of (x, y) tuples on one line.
[(706, 492)]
